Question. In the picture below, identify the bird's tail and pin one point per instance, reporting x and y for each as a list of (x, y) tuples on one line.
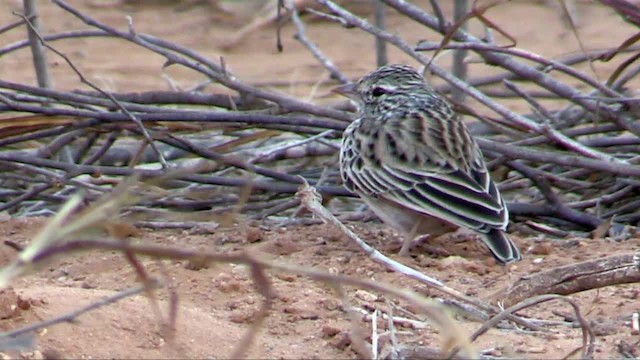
[(502, 248)]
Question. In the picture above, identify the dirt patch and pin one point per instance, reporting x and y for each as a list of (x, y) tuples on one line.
[(217, 304)]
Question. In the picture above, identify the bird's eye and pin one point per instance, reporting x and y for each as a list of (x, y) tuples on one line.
[(378, 91)]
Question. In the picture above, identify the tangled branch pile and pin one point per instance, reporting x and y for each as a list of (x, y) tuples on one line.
[(564, 170)]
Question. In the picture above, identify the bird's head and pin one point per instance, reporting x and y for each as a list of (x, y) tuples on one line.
[(384, 87)]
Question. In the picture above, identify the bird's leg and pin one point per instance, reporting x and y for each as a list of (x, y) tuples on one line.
[(408, 240)]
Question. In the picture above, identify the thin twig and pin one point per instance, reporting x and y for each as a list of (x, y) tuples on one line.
[(37, 49), (301, 35), (73, 315), (381, 45)]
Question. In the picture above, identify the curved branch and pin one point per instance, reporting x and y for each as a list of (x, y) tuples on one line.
[(573, 278)]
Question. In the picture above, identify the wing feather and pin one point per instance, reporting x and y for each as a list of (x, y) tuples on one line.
[(462, 194)]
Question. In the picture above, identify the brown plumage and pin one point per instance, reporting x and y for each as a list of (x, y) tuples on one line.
[(416, 165)]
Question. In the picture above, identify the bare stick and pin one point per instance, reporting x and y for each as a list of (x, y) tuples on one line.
[(381, 45), (573, 278), (549, 64), (559, 208), (437, 10), (301, 35), (186, 115), (516, 152), (77, 169), (37, 48), (4, 29), (459, 68), (588, 337)]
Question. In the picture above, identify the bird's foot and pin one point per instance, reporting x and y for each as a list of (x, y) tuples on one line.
[(409, 243), (406, 246)]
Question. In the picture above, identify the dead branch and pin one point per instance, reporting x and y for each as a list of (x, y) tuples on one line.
[(570, 279), (37, 49), (588, 337), (301, 36)]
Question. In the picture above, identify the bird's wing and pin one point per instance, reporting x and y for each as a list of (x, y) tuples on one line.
[(453, 196), (441, 174)]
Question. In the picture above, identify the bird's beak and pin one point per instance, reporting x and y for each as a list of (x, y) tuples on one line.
[(348, 90)]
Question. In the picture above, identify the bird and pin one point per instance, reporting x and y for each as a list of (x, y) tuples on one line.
[(414, 162)]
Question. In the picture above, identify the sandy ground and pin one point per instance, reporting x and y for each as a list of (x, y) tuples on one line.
[(217, 304)]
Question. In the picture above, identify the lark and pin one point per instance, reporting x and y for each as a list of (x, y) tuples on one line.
[(415, 164)]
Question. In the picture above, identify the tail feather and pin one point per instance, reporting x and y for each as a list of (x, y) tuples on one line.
[(502, 248)]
